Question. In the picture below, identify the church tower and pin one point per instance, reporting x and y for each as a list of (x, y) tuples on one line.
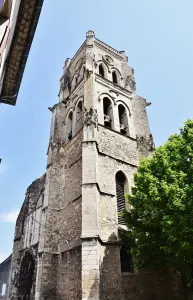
[(99, 131)]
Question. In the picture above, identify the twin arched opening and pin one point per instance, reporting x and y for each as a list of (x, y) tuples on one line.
[(78, 115), (115, 75), (109, 118)]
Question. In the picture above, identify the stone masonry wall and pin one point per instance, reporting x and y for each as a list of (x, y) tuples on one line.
[(69, 275), (27, 231), (61, 236)]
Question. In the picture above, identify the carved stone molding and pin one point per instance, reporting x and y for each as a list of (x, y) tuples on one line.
[(91, 117), (108, 61), (108, 49), (113, 92), (101, 96)]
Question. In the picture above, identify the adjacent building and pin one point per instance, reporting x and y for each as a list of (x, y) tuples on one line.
[(5, 268), (18, 21)]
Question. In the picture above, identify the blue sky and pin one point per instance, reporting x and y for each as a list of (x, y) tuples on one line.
[(158, 39)]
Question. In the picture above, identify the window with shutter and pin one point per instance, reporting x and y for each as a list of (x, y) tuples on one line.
[(120, 192)]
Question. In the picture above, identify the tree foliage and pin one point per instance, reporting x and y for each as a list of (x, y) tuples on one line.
[(161, 218)]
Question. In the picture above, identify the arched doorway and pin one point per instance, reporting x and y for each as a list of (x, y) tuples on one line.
[(26, 277)]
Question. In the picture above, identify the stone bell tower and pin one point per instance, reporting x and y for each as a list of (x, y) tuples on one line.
[(99, 131)]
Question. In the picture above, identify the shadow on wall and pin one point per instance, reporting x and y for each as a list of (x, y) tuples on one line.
[(143, 285)]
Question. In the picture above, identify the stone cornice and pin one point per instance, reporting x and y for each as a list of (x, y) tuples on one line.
[(108, 49), (27, 21)]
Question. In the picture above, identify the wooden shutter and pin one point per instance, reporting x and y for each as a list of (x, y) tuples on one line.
[(120, 191)]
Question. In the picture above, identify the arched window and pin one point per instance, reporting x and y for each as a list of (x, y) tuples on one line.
[(114, 77), (101, 70), (26, 277), (108, 112), (121, 190), (79, 116), (123, 121), (69, 126)]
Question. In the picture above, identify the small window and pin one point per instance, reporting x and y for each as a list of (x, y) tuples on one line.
[(101, 70), (126, 259), (114, 77)]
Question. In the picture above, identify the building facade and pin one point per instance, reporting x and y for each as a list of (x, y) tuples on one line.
[(67, 241)]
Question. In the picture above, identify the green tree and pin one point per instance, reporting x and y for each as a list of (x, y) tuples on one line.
[(161, 218)]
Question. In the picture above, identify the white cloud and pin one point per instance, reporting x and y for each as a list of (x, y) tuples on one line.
[(9, 217), (3, 256)]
